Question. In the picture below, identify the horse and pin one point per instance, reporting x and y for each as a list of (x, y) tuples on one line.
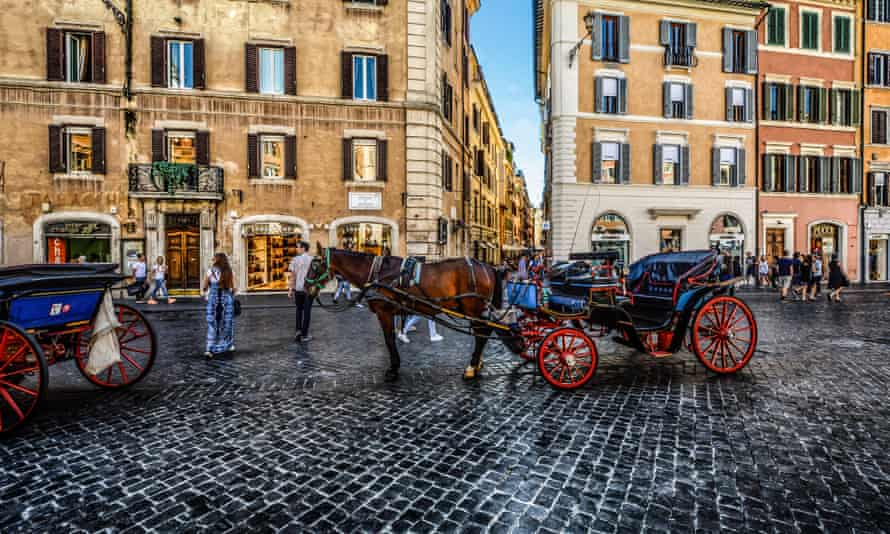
[(463, 285)]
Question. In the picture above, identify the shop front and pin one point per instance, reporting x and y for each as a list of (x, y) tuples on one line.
[(78, 241), (877, 244), (182, 237), (269, 246), (826, 239), (369, 237), (728, 235), (611, 234), (877, 258)]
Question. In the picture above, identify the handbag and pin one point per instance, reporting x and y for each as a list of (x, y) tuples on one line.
[(236, 307)]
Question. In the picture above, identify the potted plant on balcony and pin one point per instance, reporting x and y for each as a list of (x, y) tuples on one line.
[(173, 175)]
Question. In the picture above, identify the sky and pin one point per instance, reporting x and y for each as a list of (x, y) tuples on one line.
[(501, 33)]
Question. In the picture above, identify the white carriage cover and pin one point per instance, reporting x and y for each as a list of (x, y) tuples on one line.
[(105, 350)]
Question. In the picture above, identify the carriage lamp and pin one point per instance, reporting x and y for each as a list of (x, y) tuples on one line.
[(588, 23)]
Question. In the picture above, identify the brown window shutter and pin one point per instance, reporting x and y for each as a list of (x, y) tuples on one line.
[(158, 61), (56, 161), (55, 55), (347, 160), (290, 157), (346, 74), (383, 78), (98, 57), (199, 67), (98, 142), (251, 68), (253, 156), (290, 70), (157, 146), (381, 160), (382, 2), (202, 147)]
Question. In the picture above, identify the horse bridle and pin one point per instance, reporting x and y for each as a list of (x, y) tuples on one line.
[(320, 281)]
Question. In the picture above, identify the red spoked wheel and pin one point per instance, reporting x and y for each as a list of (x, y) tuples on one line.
[(23, 376), (724, 334), (567, 358), (138, 350)]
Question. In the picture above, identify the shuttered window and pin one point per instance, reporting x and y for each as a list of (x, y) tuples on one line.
[(611, 38), (271, 71), (76, 149), (739, 104), (739, 51), (809, 30), (75, 56), (879, 69), (879, 127), (776, 26), (843, 35)]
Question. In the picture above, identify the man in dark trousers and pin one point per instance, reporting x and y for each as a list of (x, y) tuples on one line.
[(296, 280), (786, 273)]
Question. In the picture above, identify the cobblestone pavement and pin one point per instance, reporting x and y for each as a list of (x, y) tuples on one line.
[(309, 438)]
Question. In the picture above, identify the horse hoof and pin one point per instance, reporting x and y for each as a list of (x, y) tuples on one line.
[(470, 373), (391, 376)]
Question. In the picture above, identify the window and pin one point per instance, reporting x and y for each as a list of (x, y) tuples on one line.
[(610, 95), (679, 40), (810, 171), (180, 64), (364, 160), (486, 138), (843, 38), (879, 69), (776, 171), (739, 51), (447, 98), (737, 104), (475, 118), (364, 77), (78, 57), (80, 150), (810, 102), (272, 71), (727, 166), (272, 156), (809, 30), (778, 101), (670, 164), (181, 147), (845, 176), (445, 12), (670, 240), (878, 10), (775, 26), (845, 107), (677, 100), (609, 37), (611, 157), (878, 189), (879, 126)]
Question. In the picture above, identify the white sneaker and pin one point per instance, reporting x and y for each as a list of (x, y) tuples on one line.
[(412, 328), (359, 305), (403, 338), (436, 338)]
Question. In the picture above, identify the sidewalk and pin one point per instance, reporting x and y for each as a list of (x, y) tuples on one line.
[(879, 287), (192, 304)]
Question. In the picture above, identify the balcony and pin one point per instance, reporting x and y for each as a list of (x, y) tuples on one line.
[(176, 180), (680, 56)]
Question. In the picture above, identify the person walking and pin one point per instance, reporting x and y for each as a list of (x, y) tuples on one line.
[(837, 280), (343, 286), (817, 276), (409, 327), (806, 277), (750, 270), (763, 271), (522, 269), (218, 289), (296, 290), (140, 271), (785, 272), (159, 275)]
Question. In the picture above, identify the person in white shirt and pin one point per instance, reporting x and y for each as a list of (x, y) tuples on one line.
[(296, 290), (139, 275), (159, 275)]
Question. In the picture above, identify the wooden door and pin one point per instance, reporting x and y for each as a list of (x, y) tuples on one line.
[(775, 242), (183, 252)]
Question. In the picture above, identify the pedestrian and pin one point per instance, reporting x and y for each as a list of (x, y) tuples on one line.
[(817, 276), (140, 271), (409, 327), (522, 270), (343, 286), (763, 271), (296, 290), (159, 275), (806, 277), (837, 280), (785, 272), (750, 269), (218, 289)]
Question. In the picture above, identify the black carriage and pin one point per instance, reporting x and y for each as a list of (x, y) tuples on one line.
[(47, 315)]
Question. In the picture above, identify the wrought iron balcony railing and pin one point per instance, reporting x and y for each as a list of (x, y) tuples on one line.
[(680, 56), (162, 179)]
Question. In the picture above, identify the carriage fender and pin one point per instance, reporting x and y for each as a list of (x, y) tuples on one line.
[(105, 350)]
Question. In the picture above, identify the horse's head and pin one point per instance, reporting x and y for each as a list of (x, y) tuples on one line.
[(319, 271)]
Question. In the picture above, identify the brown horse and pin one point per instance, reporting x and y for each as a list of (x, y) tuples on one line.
[(462, 285)]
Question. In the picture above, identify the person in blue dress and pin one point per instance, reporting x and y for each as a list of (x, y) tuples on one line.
[(219, 291)]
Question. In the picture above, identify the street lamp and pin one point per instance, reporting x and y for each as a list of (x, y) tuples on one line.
[(589, 19)]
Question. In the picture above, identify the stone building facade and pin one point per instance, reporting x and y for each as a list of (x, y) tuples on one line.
[(876, 140), (238, 126), (649, 124), (810, 94)]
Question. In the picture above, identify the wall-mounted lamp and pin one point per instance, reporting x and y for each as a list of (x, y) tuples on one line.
[(589, 18), (46, 207)]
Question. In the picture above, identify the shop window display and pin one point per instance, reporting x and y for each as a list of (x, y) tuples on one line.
[(270, 248), (372, 238)]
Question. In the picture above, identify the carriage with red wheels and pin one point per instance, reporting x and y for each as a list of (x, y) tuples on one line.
[(52, 313), (665, 303)]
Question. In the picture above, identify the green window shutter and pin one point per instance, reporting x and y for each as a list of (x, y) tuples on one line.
[(781, 27)]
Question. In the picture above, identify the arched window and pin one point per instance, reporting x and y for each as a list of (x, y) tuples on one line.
[(611, 233)]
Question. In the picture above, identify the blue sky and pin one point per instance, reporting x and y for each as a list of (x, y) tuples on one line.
[(502, 35)]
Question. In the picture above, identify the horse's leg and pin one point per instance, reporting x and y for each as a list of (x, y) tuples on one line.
[(481, 333), (386, 317)]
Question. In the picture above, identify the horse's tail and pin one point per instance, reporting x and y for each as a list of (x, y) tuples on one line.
[(497, 296)]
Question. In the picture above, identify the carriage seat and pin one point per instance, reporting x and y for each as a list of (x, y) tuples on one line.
[(566, 304)]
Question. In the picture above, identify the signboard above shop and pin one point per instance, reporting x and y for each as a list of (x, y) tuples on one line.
[(77, 228), (271, 228), (365, 201)]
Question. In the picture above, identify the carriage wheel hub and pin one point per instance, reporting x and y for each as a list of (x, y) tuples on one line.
[(569, 359)]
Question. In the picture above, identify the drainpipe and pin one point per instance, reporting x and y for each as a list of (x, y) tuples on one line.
[(862, 77), (128, 38), (757, 159)]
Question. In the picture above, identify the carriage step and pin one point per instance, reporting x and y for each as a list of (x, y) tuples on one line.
[(660, 353)]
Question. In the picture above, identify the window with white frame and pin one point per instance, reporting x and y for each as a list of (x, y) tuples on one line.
[(610, 95), (272, 156), (79, 142), (809, 29), (364, 77), (181, 147), (727, 166), (879, 69), (180, 64), (364, 160), (610, 159), (739, 97), (78, 56), (878, 10), (678, 100), (879, 126), (271, 62), (842, 27), (878, 190), (670, 165), (776, 26)]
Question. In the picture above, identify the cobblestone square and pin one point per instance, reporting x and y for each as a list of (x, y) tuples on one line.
[(295, 438)]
